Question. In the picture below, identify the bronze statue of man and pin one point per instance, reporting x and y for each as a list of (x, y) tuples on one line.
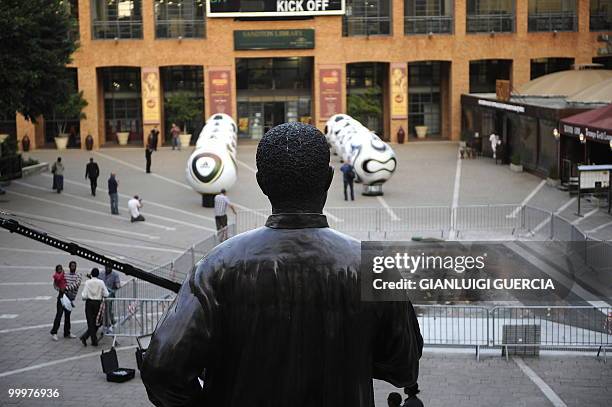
[(273, 317)]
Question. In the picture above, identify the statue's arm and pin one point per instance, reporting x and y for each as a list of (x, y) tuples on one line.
[(398, 344), (180, 349)]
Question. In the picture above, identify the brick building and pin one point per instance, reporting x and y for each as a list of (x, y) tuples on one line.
[(306, 68)]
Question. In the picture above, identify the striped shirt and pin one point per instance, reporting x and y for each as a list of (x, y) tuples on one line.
[(73, 282), (221, 204)]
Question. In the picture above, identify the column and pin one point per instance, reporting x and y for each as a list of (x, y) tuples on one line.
[(460, 84), (25, 128), (460, 16), (93, 123), (521, 71), (521, 8), (398, 99)]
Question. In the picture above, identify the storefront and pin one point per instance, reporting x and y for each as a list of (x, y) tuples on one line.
[(272, 91)]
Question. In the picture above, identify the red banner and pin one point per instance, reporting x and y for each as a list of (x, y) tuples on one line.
[(330, 91), (220, 91)]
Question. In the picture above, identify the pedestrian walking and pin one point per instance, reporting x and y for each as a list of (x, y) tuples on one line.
[(175, 132), (59, 283), (134, 206), (92, 171), (412, 400), (348, 177), (93, 293), (394, 399), (222, 202), (113, 283), (57, 169), (113, 184)]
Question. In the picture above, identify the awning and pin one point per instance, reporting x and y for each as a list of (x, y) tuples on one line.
[(595, 124), (564, 83)]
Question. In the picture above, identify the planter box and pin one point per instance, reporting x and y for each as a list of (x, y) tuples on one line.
[(35, 169), (421, 131), (61, 142), (516, 168), (185, 139), (553, 182), (122, 137)]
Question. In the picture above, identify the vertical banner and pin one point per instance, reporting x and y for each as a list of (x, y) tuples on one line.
[(151, 111), (399, 91), (220, 90), (330, 91)]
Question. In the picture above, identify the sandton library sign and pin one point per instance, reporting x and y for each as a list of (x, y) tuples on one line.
[(273, 8), (274, 39)]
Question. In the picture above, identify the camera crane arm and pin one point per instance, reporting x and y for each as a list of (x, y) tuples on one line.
[(74, 249)]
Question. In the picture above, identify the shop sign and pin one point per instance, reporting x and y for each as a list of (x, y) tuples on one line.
[(596, 134), (274, 8), (274, 39)]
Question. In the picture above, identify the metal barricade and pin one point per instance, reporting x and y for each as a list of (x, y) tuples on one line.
[(453, 325), (134, 317)]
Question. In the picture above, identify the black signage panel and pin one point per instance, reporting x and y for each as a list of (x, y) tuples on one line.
[(274, 39), (273, 8)]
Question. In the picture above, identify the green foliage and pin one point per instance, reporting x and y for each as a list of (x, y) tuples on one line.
[(29, 161), (70, 109), (361, 106), (9, 147), (36, 44), (516, 158), (182, 108)]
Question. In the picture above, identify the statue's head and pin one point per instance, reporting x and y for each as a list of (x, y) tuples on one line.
[(293, 168)]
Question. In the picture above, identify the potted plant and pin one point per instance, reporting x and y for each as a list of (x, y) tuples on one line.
[(122, 137), (70, 109), (515, 162), (553, 176), (421, 131), (183, 108)]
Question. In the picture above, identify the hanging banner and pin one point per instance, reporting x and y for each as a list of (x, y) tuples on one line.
[(399, 91), (151, 111), (220, 90), (330, 91)]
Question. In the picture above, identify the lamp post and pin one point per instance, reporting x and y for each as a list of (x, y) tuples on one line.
[(557, 137)]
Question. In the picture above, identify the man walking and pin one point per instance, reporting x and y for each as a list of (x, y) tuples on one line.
[(222, 202), (113, 184), (175, 132), (134, 206), (274, 316), (93, 293), (348, 177), (58, 175), (112, 282), (92, 171)]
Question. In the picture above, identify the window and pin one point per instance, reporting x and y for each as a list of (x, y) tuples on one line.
[(120, 19), (485, 16), (364, 82), (544, 66), (424, 101), (122, 103), (72, 6), (179, 18), (428, 16), (186, 79), (56, 124), (484, 73), (274, 73), (552, 15), (601, 15), (367, 17)]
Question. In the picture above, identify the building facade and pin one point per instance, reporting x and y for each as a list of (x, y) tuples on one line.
[(390, 63)]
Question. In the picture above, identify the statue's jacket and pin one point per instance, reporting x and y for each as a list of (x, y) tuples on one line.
[(273, 317)]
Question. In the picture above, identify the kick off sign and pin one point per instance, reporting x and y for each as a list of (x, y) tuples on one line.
[(274, 8)]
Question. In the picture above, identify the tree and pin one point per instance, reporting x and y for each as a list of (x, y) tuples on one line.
[(182, 108), (35, 46), (70, 109), (362, 106)]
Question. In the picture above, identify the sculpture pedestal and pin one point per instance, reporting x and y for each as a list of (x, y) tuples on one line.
[(208, 200), (372, 190)]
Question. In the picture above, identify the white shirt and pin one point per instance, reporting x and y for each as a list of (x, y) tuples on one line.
[(221, 204), (133, 206), (94, 289)]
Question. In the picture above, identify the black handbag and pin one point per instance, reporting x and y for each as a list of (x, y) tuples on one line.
[(110, 366)]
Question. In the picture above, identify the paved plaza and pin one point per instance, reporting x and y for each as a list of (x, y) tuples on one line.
[(429, 174)]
